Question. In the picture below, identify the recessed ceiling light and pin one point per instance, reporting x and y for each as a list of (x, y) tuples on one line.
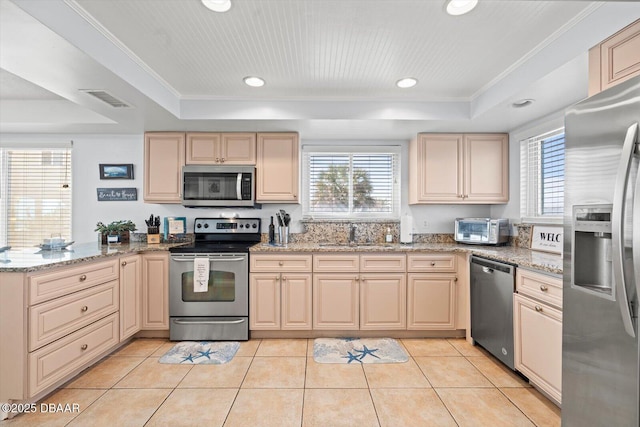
[(522, 103), (217, 5), (406, 82), (253, 81), (460, 7)]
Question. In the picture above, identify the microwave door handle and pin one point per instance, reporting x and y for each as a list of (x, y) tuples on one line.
[(617, 227), (239, 186), (635, 245)]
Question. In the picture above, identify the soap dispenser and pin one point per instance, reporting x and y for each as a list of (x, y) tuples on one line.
[(389, 237)]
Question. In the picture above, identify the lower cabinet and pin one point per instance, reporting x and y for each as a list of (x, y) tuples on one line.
[(155, 290), (130, 296), (538, 337), (280, 301), (383, 301), (336, 301), (431, 301)]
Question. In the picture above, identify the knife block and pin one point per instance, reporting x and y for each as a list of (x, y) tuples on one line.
[(153, 235)]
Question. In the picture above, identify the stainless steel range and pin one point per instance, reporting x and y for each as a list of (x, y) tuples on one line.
[(209, 281)]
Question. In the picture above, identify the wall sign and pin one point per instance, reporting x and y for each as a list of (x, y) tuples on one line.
[(547, 239), (117, 194)]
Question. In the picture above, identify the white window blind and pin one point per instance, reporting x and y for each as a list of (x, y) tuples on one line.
[(542, 177), (351, 184), (35, 195)]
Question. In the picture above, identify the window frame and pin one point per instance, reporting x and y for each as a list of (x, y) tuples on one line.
[(531, 198), (311, 149)]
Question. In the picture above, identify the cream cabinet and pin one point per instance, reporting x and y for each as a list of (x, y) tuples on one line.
[(383, 301), (155, 290), (277, 168), (280, 292), (220, 148), (432, 291), (164, 156), (459, 168), (130, 296), (538, 330), (336, 301), (615, 60)]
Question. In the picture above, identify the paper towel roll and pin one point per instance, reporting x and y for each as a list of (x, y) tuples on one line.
[(406, 229)]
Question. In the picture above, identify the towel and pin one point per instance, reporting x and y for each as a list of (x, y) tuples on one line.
[(200, 274)]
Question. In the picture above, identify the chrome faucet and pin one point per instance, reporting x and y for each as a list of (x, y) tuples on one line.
[(352, 233)]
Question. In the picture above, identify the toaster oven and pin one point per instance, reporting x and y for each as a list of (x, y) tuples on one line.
[(482, 231)]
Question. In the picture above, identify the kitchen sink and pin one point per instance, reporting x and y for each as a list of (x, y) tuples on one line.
[(347, 245)]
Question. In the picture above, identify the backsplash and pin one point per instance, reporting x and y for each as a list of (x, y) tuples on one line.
[(523, 239), (338, 232)]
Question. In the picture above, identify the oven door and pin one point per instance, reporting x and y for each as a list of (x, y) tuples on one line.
[(227, 292)]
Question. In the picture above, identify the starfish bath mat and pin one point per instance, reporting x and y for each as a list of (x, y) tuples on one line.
[(201, 352), (358, 350)]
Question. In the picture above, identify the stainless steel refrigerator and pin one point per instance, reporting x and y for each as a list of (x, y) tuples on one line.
[(600, 363)]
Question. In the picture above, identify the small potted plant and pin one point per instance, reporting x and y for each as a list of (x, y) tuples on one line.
[(121, 229)]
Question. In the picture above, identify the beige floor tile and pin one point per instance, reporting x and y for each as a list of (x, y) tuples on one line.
[(410, 408), (451, 372), (44, 417), (266, 408), (248, 348), (430, 347), (282, 348), (194, 407), (106, 373), (467, 349), (122, 408), (395, 375), (331, 375), (535, 406), (227, 375), (275, 372), (151, 374), (165, 347), (142, 347), (496, 372), (480, 407), (338, 407), (310, 347)]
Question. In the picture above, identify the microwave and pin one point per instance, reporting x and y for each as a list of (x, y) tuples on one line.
[(482, 231), (218, 186)]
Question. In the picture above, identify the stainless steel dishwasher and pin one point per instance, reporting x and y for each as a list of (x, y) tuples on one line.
[(492, 287)]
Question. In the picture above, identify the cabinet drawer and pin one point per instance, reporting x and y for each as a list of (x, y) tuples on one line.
[(55, 361), (540, 286), (56, 318), (63, 281), (336, 263), (383, 263), (436, 263), (277, 263)]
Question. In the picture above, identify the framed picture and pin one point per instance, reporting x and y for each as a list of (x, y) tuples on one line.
[(116, 171), (174, 226), (547, 239)]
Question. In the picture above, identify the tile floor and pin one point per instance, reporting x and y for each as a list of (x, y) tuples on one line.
[(446, 382)]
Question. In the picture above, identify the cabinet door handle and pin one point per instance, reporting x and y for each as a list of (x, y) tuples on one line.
[(357, 279), (281, 263), (84, 308), (217, 159), (83, 277), (222, 160), (455, 279), (284, 278), (84, 347), (124, 263), (538, 309), (544, 288), (433, 264)]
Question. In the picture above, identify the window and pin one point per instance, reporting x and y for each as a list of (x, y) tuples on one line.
[(542, 177), (351, 184), (35, 195)]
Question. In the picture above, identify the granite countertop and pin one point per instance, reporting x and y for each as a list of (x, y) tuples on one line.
[(521, 257), (35, 259)]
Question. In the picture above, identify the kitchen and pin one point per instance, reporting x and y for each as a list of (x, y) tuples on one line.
[(363, 122)]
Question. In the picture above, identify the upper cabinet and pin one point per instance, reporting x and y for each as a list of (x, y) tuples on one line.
[(615, 60), (163, 161), (459, 168), (277, 168), (221, 148)]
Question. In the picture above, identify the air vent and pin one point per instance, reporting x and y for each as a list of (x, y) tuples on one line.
[(105, 96)]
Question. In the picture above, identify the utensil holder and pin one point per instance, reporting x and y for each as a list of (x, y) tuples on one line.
[(283, 235)]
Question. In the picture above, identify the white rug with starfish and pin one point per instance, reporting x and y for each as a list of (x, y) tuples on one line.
[(201, 352), (358, 350)]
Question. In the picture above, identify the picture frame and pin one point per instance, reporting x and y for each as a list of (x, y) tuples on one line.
[(547, 239), (116, 170), (175, 226)]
